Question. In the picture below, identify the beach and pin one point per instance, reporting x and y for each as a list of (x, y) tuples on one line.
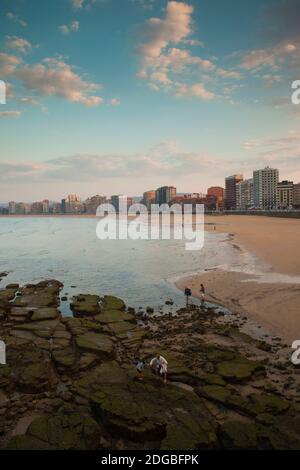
[(272, 297)]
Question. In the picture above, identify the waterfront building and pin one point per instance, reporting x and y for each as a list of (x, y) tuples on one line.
[(244, 195), (165, 194), (218, 192), (230, 191), (265, 183), (296, 196), (285, 190)]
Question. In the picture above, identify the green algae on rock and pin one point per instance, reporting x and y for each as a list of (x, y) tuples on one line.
[(78, 376)]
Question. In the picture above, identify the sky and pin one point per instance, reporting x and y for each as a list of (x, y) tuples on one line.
[(124, 96)]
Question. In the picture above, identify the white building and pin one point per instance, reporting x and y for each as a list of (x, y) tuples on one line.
[(244, 194), (265, 183)]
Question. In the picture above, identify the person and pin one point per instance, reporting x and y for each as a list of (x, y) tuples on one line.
[(187, 293), (159, 365), (139, 365), (202, 294)]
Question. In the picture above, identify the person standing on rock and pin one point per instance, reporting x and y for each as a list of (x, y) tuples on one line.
[(202, 295), (159, 365), (139, 365)]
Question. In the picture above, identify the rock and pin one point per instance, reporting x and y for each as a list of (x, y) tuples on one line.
[(95, 342), (44, 314), (113, 316), (5, 373), (113, 303), (266, 403), (13, 286), (66, 432), (239, 369), (33, 378), (64, 358), (20, 314), (238, 435), (27, 443), (150, 310), (85, 305)]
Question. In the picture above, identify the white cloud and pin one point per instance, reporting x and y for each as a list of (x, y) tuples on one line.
[(167, 64), (64, 29), (56, 78), (197, 90), (8, 64), (13, 114), (115, 102), (16, 19), (159, 33), (18, 44), (77, 4), (75, 26), (270, 57), (67, 29)]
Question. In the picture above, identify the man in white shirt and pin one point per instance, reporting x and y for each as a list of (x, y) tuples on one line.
[(160, 366)]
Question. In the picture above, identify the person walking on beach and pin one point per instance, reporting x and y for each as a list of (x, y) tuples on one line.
[(202, 295), (159, 366)]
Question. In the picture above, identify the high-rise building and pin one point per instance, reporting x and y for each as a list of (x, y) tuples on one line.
[(12, 207), (296, 196), (218, 192), (265, 183), (37, 207), (92, 203), (230, 191), (285, 190), (63, 207), (46, 206), (120, 203), (73, 205), (244, 194), (149, 198), (165, 194)]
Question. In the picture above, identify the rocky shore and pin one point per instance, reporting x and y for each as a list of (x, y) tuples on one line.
[(70, 382)]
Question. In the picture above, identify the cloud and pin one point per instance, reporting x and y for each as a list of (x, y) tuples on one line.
[(18, 44), (8, 64), (167, 64), (29, 100), (197, 90), (271, 57), (77, 4), (159, 33), (13, 114), (115, 102), (67, 29), (163, 159), (145, 4), (282, 152), (16, 19), (64, 29), (55, 77)]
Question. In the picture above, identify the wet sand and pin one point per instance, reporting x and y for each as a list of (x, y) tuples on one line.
[(274, 305)]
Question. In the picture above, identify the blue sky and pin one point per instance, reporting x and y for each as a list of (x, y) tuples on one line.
[(121, 96)]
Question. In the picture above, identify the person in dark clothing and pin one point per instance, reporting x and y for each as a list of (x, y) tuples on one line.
[(202, 295)]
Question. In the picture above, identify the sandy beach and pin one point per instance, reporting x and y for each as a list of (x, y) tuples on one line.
[(275, 241)]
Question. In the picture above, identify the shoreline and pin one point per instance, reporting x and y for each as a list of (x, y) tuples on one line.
[(270, 297)]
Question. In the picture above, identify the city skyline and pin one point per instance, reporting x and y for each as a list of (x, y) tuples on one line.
[(134, 94), (263, 191)]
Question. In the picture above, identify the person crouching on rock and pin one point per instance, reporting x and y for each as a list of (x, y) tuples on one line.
[(140, 366), (159, 365)]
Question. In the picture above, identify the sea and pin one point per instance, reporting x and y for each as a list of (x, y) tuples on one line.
[(142, 272)]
